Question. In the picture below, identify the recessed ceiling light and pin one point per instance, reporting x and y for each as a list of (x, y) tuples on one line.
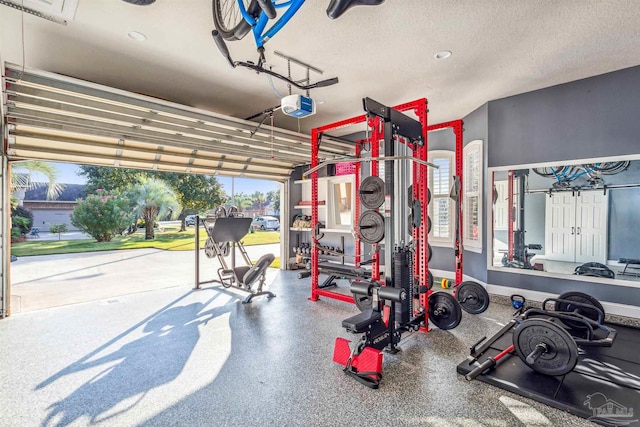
[(138, 36), (443, 54)]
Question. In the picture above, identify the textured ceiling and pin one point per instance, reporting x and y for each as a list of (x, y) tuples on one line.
[(500, 48)]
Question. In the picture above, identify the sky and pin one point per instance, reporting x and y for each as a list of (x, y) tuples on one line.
[(68, 174)]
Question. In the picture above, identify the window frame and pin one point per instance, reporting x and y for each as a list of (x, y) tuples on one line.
[(472, 148), (501, 206), (442, 241)]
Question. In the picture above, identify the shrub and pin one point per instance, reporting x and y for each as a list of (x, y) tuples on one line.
[(102, 215), (22, 212), (58, 228)]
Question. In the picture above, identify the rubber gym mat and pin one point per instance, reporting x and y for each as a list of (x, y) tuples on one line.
[(604, 387)]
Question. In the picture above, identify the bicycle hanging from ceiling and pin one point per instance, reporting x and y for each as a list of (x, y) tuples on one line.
[(233, 19)]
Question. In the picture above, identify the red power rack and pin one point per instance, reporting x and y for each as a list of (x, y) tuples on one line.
[(456, 126), (420, 187)]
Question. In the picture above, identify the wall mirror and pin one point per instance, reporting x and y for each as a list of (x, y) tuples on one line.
[(341, 203), (574, 218)]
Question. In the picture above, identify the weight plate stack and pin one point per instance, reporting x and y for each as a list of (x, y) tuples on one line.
[(208, 248), (582, 298)]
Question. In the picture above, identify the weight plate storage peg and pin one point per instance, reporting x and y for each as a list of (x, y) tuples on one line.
[(372, 192), (579, 297), (545, 347), (371, 227), (473, 297), (444, 310)]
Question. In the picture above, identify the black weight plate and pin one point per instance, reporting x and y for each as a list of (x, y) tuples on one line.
[(363, 302), (473, 297), (429, 280), (444, 310), (410, 198), (562, 351), (372, 192), (416, 213), (428, 224), (583, 298), (429, 252), (371, 227)]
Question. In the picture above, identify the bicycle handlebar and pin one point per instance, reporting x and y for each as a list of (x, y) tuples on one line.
[(222, 46)]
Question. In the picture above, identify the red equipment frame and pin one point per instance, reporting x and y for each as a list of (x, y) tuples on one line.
[(458, 130), (420, 186)]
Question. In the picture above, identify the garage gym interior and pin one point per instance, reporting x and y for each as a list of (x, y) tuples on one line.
[(459, 183)]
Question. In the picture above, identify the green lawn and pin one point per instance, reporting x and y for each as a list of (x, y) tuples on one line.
[(170, 239)]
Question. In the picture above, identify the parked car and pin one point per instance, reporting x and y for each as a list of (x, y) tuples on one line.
[(266, 223), (190, 220)]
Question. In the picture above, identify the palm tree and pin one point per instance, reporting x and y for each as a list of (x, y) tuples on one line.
[(259, 199), (21, 177), (273, 197), (242, 201), (151, 199)]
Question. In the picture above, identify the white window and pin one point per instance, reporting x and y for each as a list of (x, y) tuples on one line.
[(441, 208), (472, 202)]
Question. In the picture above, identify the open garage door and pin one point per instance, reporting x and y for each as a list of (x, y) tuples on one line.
[(57, 118)]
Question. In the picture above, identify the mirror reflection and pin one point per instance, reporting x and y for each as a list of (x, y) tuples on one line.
[(569, 219), (342, 194)]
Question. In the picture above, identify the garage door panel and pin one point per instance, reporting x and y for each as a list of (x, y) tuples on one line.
[(54, 117)]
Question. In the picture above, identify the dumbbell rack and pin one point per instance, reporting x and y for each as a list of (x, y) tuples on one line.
[(388, 125)]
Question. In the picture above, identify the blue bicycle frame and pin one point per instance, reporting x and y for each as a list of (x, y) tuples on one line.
[(258, 25)]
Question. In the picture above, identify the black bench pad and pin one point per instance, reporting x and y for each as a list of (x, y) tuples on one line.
[(360, 322)]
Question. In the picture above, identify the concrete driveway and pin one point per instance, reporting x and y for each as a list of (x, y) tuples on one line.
[(39, 282)]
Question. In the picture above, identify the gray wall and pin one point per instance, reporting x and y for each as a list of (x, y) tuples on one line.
[(590, 118), (594, 117)]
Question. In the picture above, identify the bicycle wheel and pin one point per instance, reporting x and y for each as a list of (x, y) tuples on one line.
[(229, 21)]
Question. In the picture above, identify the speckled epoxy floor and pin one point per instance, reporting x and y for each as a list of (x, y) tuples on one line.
[(200, 358)]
